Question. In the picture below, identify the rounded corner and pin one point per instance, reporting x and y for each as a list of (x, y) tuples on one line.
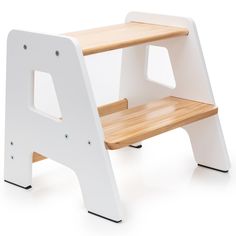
[(11, 34)]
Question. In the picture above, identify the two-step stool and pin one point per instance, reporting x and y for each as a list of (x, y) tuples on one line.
[(81, 139)]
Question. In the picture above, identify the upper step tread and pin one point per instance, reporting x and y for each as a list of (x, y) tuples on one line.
[(123, 35), (136, 124)]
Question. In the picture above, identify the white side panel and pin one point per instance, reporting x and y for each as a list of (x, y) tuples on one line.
[(133, 84), (186, 58), (192, 83), (208, 143), (76, 141)]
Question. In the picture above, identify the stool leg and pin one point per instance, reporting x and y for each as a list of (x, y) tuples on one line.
[(208, 144), (98, 186), (18, 168)]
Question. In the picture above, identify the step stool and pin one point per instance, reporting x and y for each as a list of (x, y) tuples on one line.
[(82, 138)]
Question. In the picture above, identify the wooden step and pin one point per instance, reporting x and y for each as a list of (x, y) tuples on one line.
[(139, 123), (123, 35), (123, 126)]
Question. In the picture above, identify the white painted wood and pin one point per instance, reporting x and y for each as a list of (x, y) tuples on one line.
[(133, 84), (77, 141), (159, 67), (30, 130), (208, 143), (186, 58), (191, 78)]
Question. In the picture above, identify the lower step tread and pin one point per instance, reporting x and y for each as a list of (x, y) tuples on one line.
[(139, 123)]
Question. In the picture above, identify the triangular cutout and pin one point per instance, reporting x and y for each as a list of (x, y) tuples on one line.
[(45, 97), (159, 67)]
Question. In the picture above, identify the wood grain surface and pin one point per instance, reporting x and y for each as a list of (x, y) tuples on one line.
[(123, 35), (139, 123)]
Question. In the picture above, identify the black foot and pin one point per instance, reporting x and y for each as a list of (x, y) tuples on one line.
[(105, 217), (136, 146), (224, 171), (28, 187)]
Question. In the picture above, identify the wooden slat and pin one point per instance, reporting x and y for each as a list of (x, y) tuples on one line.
[(37, 157), (102, 110), (123, 35), (136, 124), (113, 107)]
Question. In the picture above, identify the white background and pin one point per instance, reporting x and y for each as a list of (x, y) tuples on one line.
[(162, 190)]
